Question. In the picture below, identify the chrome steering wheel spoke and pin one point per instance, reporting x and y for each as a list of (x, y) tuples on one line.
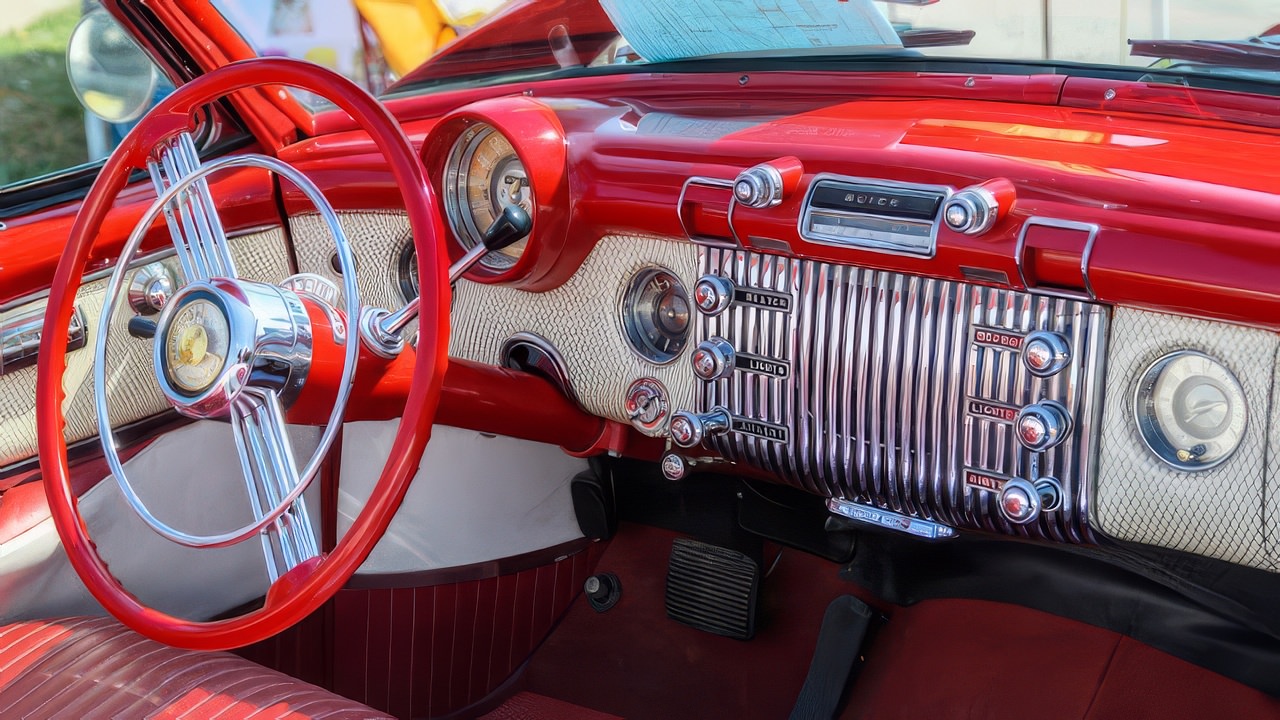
[(254, 408), (271, 475), (191, 215)]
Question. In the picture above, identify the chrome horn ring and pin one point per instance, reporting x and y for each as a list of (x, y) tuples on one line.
[(256, 413)]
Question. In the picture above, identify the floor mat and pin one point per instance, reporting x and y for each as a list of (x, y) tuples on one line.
[(635, 662), (530, 706), (983, 660)]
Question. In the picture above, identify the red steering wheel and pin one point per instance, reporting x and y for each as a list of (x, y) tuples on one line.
[(309, 584)]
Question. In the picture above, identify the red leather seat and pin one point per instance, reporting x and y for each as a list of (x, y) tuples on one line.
[(97, 668)]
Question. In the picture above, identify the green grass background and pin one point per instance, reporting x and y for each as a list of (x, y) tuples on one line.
[(41, 123)]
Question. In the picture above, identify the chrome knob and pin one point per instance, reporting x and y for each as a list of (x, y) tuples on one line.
[(1019, 501), (971, 211), (1050, 492), (713, 294), (713, 359), (1045, 353), (1042, 425), (690, 429), (759, 186), (151, 287), (674, 467), (646, 406)]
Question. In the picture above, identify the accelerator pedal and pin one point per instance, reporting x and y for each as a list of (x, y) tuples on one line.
[(713, 589), (844, 627)]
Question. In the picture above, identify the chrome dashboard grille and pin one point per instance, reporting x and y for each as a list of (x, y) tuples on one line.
[(883, 368)]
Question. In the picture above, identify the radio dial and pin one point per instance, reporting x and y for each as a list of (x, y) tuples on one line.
[(713, 359)]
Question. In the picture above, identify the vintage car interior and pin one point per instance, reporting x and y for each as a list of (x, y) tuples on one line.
[(594, 371)]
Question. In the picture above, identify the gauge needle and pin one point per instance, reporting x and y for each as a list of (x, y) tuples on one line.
[(1203, 407), (642, 406)]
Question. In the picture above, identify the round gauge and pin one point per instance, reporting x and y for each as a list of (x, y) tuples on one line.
[(196, 346), (655, 314), (408, 272), (483, 176), (1191, 410)]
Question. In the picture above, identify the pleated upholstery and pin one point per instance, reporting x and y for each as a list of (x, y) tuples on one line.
[(94, 668)]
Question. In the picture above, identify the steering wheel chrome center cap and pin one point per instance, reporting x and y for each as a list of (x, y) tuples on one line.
[(214, 339)]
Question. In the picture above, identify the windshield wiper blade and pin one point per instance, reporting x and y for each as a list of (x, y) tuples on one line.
[(1252, 54)]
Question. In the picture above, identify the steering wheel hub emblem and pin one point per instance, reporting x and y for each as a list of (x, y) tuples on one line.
[(196, 344)]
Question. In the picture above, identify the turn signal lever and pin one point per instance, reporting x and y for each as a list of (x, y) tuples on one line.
[(381, 329)]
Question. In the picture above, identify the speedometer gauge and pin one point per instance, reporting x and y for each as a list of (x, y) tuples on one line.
[(1191, 410), (483, 176)]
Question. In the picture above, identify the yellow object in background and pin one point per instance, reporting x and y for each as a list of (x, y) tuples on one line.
[(410, 31)]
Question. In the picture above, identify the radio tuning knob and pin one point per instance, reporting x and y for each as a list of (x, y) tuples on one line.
[(767, 184), (1045, 353), (713, 359), (1019, 501), (712, 294), (690, 429), (1042, 425), (759, 186)]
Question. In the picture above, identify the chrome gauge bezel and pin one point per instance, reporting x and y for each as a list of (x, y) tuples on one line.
[(457, 209), (407, 272), (635, 331), (1156, 435)]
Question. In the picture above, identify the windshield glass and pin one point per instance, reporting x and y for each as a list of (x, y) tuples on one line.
[(422, 44)]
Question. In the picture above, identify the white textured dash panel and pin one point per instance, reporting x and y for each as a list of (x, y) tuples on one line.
[(133, 393), (377, 240), (581, 319), (1217, 512)]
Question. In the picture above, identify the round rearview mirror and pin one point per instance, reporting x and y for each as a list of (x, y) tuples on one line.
[(110, 74)]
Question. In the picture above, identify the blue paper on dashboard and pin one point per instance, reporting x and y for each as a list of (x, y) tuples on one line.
[(661, 30)]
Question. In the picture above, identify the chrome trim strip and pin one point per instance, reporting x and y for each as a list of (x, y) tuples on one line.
[(137, 262), (699, 239), (559, 370), (886, 519), (883, 366), (1086, 255), (20, 337)]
